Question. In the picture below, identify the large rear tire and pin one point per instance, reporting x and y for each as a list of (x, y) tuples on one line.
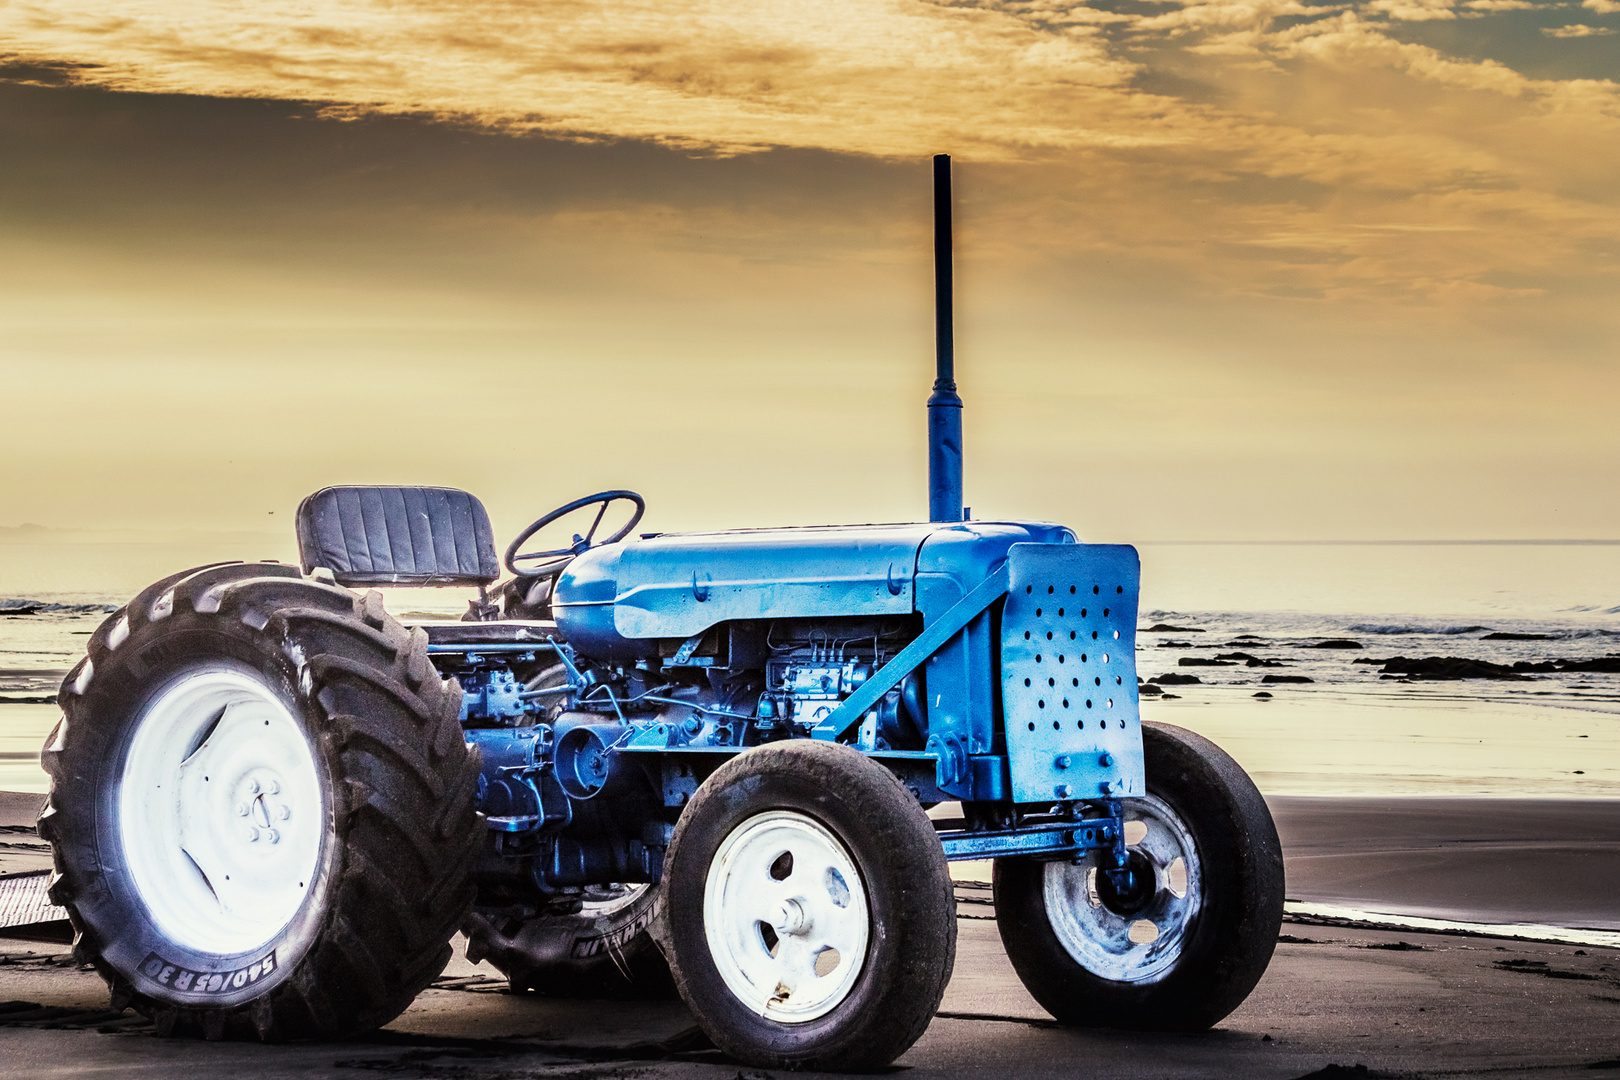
[(806, 911), (1184, 949), (261, 806)]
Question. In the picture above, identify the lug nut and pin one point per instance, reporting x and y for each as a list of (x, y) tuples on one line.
[(790, 918), (253, 787), (241, 809), (283, 812), (275, 837), (275, 787), (252, 834)]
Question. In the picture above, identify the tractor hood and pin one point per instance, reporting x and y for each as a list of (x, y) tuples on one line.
[(677, 585)]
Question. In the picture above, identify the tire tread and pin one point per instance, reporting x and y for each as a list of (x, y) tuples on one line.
[(1227, 949), (403, 794)]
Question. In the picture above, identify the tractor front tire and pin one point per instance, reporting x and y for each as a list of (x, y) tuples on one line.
[(807, 911), (1187, 943), (261, 807)]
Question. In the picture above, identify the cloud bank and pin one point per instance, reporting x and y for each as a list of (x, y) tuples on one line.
[(1269, 146)]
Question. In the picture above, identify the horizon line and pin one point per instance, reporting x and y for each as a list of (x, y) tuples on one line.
[(33, 528), (1385, 543)]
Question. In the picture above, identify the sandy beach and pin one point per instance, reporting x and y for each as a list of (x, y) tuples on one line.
[(1504, 842), (1536, 997), (1542, 862), (1337, 997), (1338, 1000), (1336, 1003)]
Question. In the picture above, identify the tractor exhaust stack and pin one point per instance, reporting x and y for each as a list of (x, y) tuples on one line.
[(944, 406)]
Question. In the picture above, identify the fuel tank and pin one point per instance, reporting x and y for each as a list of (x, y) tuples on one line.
[(615, 602)]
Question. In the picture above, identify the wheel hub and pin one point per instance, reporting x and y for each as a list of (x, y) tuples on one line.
[(1132, 888), (1131, 930), (791, 919), (267, 812)]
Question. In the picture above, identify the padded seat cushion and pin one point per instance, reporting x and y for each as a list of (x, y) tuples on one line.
[(397, 536)]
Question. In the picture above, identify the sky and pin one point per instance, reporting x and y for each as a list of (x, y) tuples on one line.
[(1235, 269)]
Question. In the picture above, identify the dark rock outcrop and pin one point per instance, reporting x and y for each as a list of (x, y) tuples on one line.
[(1610, 664), (1447, 667), (1461, 667)]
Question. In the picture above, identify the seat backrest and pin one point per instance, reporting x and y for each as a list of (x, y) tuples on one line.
[(397, 536)]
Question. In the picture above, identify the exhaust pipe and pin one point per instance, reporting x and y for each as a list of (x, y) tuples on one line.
[(944, 406)]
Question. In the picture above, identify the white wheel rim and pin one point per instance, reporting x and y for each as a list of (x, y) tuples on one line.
[(1143, 946), (817, 913), (221, 812)]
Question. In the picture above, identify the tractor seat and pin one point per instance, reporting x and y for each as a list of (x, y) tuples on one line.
[(397, 536)]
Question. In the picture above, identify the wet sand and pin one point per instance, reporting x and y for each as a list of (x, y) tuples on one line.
[(19, 807), (1542, 861), (1403, 1003), (1552, 861), (21, 849)]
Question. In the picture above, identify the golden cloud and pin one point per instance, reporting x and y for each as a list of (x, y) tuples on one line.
[(1335, 158)]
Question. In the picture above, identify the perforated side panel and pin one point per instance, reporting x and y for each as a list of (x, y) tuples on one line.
[(1068, 672)]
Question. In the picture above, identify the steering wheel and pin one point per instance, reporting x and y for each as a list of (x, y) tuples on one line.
[(560, 556)]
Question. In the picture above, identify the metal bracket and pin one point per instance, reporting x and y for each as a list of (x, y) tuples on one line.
[(1056, 838), (1117, 860), (688, 647), (924, 645)]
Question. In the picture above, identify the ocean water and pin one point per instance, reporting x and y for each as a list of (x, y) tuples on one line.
[(1352, 729)]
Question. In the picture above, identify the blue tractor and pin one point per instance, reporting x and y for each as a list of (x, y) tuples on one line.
[(734, 766)]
